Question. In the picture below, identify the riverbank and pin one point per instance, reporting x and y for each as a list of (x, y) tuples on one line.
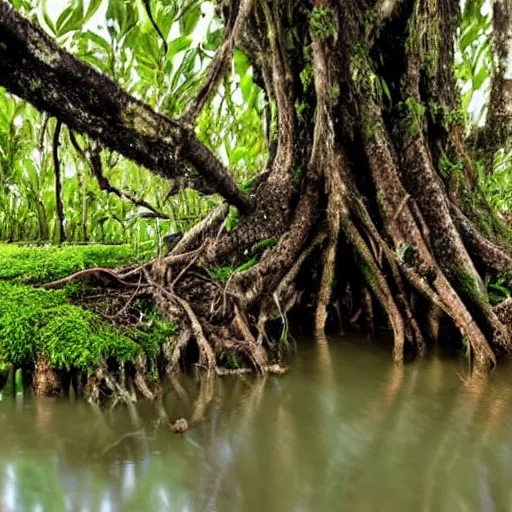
[(51, 339)]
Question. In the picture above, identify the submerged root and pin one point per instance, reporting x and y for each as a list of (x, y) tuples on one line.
[(45, 380)]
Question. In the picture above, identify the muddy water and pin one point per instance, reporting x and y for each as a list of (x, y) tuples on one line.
[(345, 430)]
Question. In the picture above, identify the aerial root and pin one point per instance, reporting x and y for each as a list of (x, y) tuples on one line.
[(255, 352), (503, 311), (103, 378), (369, 313), (181, 342), (380, 288), (327, 280), (92, 273), (206, 355), (140, 364)]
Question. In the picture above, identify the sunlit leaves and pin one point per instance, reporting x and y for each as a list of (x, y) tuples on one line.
[(71, 18), (473, 68), (189, 19), (117, 38), (43, 16)]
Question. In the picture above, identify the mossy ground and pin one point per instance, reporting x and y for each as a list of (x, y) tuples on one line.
[(35, 321), (44, 264)]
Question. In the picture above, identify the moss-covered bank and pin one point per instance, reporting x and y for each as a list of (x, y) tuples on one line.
[(50, 332)]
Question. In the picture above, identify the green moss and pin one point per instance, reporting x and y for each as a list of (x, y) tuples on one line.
[(322, 23), (414, 113), (43, 322), (335, 93), (307, 77), (410, 44), (367, 273), (469, 286), (43, 264), (455, 116), (369, 130), (429, 63), (232, 218), (35, 321)]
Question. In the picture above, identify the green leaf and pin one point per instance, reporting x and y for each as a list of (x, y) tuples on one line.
[(385, 88), (241, 62), (500, 288), (71, 18), (247, 87), (99, 41), (43, 17), (478, 79), (145, 24), (178, 45), (189, 20), (213, 40), (94, 5)]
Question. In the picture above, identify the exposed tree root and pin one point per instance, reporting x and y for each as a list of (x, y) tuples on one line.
[(45, 381), (103, 274)]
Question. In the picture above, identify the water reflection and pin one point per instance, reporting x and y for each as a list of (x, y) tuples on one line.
[(344, 430)]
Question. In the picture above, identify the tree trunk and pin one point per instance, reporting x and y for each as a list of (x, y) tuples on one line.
[(59, 205), (368, 113)]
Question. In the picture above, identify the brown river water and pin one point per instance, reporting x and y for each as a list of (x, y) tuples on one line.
[(345, 430)]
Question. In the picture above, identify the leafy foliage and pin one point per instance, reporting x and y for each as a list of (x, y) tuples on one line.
[(474, 73), (474, 59), (222, 274), (118, 38)]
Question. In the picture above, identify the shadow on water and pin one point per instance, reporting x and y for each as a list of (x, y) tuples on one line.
[(344, 430)]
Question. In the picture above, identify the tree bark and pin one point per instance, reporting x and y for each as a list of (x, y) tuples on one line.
[(498, 127)]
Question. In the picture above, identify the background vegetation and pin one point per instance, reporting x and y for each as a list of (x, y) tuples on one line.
[(117, 37)]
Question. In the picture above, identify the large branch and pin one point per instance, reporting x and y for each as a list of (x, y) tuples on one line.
[(33, 67)]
